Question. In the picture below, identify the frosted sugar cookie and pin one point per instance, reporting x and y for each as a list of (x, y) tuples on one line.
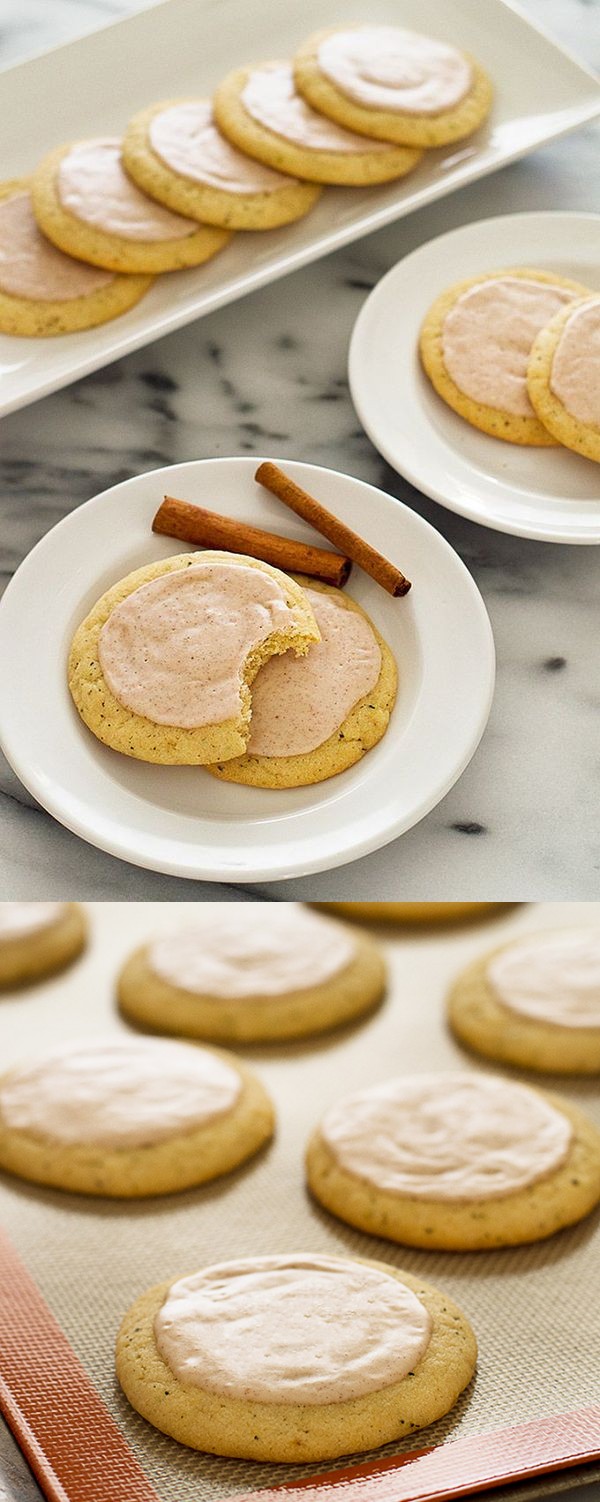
[(37, 938), (86, 204), (534, 1003), (130, 1117), (176, 153), (261, 112), (250, 972), (314, 718), (393, 85), (160, 669), (563, 377), (412, 912), (476, 342), (294, 1358), (463, 1162), (44, 292)]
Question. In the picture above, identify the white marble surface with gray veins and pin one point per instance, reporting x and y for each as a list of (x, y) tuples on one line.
[(268, 374)]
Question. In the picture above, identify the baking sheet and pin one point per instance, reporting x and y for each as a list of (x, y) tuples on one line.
[(533, 1309)]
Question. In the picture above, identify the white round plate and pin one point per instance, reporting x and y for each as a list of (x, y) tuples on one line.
[(181, 820), (549, 494)]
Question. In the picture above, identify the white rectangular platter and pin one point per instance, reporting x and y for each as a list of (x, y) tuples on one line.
[(184, 47)]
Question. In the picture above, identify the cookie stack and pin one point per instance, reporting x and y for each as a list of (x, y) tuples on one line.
[(83, 238), (515, 353), (165, 668)]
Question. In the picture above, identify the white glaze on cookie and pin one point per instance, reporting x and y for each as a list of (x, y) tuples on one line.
[(187, 140), (32, 268), (295, 1329), (93, 186), (20, 920), (174, 649), (487, 337), (388, 68), (553, 978), (447, 1136), (118, 1093), (270, 97), (247, 951), (297, 705), (575, 372)]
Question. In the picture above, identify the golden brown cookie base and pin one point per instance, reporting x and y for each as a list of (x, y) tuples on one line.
[(134, 735), (348, 169), (115, 252), (286, 1431), (581, 437), (50, 949), (479, 1020), (247, 211), (531, 1214), (507, 426), (180, 1162), (37, 318), (412, 912), (385, 125), (148, 1000), (362, 729)]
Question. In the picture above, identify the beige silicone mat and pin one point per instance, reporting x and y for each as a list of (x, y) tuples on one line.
[(536, 1311)]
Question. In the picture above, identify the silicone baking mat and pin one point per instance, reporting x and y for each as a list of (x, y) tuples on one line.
[(535, 1310)]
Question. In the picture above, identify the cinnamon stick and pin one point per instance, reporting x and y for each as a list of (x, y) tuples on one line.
[(210, 530), (305, 505)]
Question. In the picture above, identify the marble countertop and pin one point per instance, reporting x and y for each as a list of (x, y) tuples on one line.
[(270, 372)]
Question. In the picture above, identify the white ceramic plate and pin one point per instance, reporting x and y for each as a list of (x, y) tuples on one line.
[(550, 494), (93, 86), (180, 819)]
